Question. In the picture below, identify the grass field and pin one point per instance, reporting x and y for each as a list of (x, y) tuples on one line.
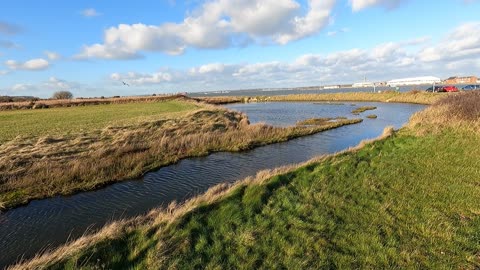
[(408, 201), (72, 120)]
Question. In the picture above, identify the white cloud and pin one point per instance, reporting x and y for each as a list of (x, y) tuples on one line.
[(133, 78), (209, 68), (384, 61), (52, 55), (316, 18), (57, 84), (461, 44), (3, 72), (217, 24), (335, 32), (90, 12), (358, 5), (22, 87), (33, 64)]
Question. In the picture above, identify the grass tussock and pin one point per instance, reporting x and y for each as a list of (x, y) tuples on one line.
[(220, 100), (324, 121), (47, 165), (363, 109), (458, 111)]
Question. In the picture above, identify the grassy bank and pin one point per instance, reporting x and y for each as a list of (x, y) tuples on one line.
[(65, 150), (417, 97), (409, 200)]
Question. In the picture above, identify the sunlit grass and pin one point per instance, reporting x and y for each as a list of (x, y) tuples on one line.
[(71, 120)]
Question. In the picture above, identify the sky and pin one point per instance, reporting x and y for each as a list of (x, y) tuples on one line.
[(91, 47)]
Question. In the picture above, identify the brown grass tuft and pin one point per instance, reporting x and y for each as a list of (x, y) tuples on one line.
[(460, 110)]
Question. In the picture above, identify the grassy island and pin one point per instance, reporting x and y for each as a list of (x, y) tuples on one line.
[(407, 200)]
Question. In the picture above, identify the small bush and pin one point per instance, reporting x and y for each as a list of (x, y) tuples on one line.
[(62, 95)]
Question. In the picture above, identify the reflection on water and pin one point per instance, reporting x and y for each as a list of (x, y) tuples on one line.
[(50, 222)]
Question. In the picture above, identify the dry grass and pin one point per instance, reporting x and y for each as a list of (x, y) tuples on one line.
[(387, 96), (457, 111), (323, 121), (363, 109), (38, 167), (220, 100)]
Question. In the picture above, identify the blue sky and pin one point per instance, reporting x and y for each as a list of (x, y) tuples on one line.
[(90, 47)]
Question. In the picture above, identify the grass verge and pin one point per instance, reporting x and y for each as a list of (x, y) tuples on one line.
[(409, 200)]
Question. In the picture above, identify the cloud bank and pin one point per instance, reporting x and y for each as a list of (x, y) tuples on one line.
[(216, 24)]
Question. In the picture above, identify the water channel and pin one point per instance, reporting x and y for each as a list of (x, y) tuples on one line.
[(47, 223)]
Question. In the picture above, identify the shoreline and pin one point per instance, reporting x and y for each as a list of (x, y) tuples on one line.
[(412, 97)]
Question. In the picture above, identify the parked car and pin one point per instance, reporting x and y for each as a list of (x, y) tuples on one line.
[(471, 87), (437, 89), (449, 88)]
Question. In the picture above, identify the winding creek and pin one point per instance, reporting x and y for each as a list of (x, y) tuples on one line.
[(47, 223)]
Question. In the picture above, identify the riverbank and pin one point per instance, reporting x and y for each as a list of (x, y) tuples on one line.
[(415, 97), (407, 200), (67, 150)]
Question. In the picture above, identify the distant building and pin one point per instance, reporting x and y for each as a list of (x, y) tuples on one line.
[(414, 81), (331, 87), (362, 84), (461, 80)]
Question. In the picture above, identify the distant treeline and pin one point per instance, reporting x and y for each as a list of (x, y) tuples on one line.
[(17, 99)]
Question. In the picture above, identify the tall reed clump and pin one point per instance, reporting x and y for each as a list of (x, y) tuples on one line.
[(458, 111), (49, 166)]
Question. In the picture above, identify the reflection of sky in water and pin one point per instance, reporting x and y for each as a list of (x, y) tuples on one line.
[(31, 228)]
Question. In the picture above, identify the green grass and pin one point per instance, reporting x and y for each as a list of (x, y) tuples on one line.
[(403, 202), (72, 120)]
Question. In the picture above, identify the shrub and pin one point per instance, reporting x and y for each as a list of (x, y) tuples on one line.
[(62, 95)]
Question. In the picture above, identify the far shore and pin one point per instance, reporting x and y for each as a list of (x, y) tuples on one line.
[(415, 97)]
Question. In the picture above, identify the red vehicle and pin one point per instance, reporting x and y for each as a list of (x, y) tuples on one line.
[(449, 88)]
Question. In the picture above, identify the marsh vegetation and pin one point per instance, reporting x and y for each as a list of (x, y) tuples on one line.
[(44, 153), (407, 200)]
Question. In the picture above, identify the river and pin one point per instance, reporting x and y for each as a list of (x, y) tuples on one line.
[(47, 223)]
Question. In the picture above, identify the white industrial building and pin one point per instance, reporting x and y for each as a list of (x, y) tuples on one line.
[(414, 81)]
